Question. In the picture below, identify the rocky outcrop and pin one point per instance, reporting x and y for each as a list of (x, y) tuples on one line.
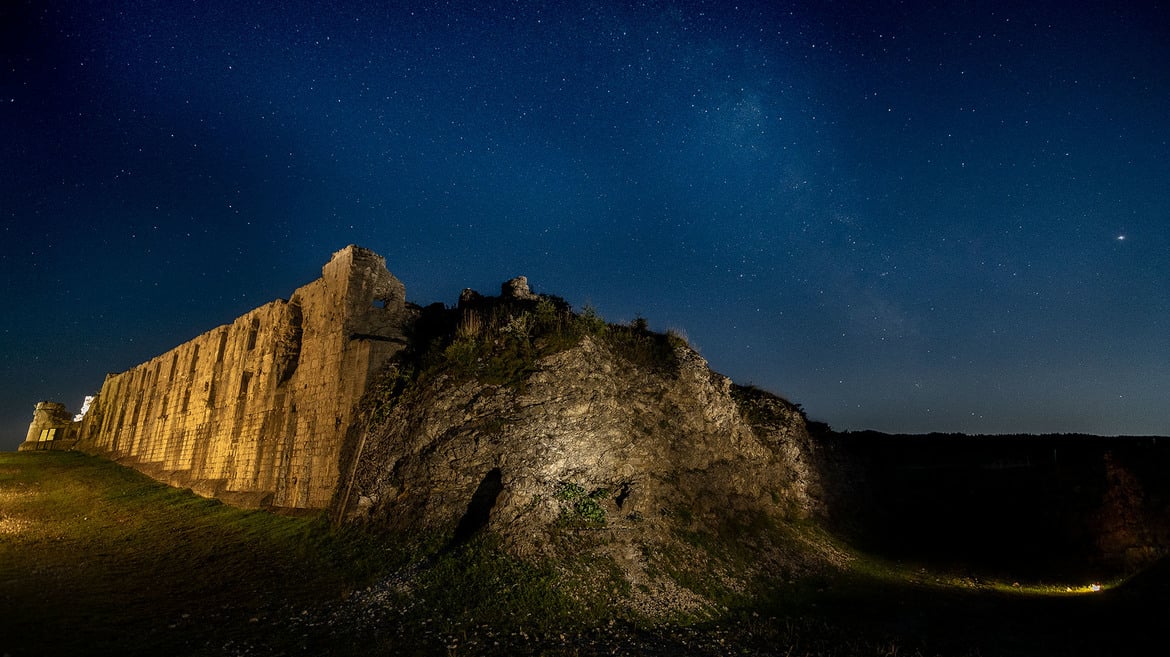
[(517, 289), (627, 450)]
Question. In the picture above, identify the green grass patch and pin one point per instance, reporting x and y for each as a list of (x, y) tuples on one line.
[(132, 566), (480, 583), (124, 563)]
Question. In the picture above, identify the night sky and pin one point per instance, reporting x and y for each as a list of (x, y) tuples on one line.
[(904, 216)]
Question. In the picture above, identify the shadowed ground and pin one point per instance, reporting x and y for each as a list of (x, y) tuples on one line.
[(95, 558)]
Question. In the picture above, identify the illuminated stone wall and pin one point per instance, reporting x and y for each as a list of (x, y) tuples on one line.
[(256, 412)]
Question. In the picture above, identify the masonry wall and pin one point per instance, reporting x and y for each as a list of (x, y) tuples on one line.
[(256, 412), (52, 427)]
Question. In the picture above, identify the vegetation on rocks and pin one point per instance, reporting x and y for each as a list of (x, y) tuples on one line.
[(517, 419), (581, 508), (498, 340)]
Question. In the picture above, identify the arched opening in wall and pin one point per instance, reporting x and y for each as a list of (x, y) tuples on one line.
[(379, 303), (479, 509)]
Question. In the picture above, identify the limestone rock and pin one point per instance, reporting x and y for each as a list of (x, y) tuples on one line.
[(633, 454), (517, 289)]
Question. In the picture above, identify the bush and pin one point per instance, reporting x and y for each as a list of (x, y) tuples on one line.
[(590, 323), (640, 346)]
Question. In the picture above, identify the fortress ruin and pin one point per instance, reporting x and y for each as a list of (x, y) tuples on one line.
[(255, 412)]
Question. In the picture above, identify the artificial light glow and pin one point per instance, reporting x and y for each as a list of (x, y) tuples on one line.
[(84, 408), (1088, 588), (1055, 589)]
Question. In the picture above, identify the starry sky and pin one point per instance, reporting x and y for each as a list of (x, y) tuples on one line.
[(906, 216)]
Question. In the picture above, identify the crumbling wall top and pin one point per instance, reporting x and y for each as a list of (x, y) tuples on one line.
[(373, 301), (47, 411)]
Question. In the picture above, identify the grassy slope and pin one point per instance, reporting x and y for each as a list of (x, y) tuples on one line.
[(95, 556), (96, 559)]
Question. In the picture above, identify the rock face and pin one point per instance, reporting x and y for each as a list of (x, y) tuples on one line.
[(630, 450), (256, 412), (517, 289)]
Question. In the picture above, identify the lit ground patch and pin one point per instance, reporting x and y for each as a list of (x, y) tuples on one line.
[(10, 525), (896, 573)]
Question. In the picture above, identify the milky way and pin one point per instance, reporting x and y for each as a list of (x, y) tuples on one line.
[(902, 216)]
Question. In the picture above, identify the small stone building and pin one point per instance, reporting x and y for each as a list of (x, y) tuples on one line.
[(52, 427)]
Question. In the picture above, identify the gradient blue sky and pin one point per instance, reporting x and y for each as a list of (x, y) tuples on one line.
[(904, 216)]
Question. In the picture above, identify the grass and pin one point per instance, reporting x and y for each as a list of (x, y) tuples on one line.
[(479, 584), (119, 561), (98, 559), (132, 566)]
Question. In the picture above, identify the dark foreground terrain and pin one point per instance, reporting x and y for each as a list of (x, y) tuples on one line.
[(98, 559)]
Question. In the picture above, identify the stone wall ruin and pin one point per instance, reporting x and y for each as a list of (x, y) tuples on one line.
[(256, 412), (52, 428)]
